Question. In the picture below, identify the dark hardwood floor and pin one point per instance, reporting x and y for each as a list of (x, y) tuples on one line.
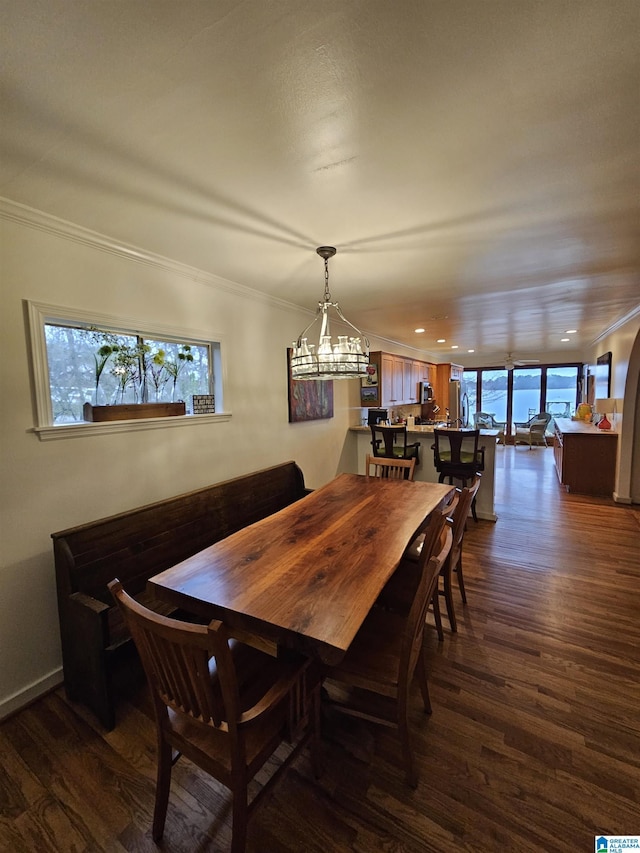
[(534, 741)]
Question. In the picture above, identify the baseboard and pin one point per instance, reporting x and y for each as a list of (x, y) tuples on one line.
[(486, 516), (30, 694)]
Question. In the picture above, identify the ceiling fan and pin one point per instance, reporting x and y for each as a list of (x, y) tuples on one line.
[(510, 362)]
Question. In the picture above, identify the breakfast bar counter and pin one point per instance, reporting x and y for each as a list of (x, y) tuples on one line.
[(359, 445)]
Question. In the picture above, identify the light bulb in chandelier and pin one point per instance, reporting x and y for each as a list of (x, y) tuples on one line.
[(346, 358)]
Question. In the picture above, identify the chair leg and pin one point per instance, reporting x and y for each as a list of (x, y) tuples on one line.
[(435, 603), (461, 579), (239, 820), (473, 510), (448, 597), (405, 740), (316, 739), (421, 672), (163, 785)]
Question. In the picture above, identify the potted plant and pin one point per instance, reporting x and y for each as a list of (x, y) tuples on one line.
[(133, 366)]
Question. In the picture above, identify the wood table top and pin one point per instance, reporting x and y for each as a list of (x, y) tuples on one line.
[(307, 576)]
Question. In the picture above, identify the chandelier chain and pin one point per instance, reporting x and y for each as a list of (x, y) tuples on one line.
[(327, 295)]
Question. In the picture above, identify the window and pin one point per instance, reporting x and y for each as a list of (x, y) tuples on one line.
[(529, 390), (562, 390), (527, 385), (493, 393), (104, 361), (470, 388)]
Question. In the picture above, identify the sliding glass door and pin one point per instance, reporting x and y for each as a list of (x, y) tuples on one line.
[(494, 393), (527, 391), (516, 396)]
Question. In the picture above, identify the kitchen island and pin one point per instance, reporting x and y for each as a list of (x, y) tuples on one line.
[(359, 445)]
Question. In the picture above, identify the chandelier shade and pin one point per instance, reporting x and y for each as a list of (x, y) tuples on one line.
[(347, 358)]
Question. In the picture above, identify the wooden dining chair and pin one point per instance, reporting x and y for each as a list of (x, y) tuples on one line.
[(222, 704), (453, 564), (392, 469), (400, 590), (374, 678)]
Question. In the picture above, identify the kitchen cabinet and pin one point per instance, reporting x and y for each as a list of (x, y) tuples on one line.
[(398, 380), (392, 377), (585, 457), (444, 373)]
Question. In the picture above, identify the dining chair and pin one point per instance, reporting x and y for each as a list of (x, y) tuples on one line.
[(224, 705), (453, 563), (374, 678), (391, 469)]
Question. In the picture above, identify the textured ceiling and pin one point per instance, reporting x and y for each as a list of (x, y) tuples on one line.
[(475, 163)]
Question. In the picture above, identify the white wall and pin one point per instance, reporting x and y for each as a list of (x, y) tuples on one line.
[(50, 485), (624, 345)]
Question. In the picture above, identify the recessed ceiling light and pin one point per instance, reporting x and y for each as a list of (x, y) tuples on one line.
[(454, 346), (441, 341), (563, 340), (470, 350), (571, 331), (418, 331)]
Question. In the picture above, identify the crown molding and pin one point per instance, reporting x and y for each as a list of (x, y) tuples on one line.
[(29, 217), (626, 318)]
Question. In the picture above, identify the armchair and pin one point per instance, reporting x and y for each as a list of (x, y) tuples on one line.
[(533, 432), (486, 420)]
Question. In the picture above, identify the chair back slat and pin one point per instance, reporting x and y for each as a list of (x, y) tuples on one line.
[(176, 657), (389, 468)]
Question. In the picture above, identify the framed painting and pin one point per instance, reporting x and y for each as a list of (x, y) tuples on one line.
[(603, 376), (309, 399)]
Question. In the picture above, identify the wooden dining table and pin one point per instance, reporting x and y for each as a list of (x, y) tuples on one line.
[(306, 577)]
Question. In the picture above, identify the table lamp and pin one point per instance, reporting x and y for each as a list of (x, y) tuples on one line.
[(604, 405)]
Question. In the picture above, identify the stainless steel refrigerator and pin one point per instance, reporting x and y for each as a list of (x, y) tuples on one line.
[(458, 404)]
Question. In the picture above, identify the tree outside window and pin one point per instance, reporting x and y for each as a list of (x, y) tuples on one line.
[(106, 367)]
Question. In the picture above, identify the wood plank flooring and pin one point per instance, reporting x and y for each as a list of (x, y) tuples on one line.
[(534, 741)]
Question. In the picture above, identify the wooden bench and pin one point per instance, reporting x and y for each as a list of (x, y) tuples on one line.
[(134, 546)]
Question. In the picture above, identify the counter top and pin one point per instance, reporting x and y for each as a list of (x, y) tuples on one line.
[(358, 446), (428, 428), (566, 425)]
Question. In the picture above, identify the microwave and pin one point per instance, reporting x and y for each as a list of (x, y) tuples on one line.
[(425, 392)]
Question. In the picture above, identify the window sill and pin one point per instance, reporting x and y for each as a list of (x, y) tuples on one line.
[(49, 433)]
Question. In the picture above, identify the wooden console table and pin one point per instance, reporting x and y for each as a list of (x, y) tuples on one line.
[(585, 457)]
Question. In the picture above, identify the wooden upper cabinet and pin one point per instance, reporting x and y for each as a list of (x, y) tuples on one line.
[(386, 380), (398, 379), (444, 373)]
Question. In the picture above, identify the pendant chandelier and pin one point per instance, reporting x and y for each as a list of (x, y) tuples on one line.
[(348, 358)]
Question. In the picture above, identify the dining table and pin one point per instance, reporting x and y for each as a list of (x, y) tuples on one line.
[(306, 577)]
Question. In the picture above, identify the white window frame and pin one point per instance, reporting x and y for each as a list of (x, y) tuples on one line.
[(40, 314)]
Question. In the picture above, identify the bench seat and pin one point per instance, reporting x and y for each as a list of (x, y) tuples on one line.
[(134, 546)]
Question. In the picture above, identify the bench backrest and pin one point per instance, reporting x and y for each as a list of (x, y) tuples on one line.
[(138, 544)]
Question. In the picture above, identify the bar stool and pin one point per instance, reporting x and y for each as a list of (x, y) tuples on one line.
[(456, 456), (391, 441)]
